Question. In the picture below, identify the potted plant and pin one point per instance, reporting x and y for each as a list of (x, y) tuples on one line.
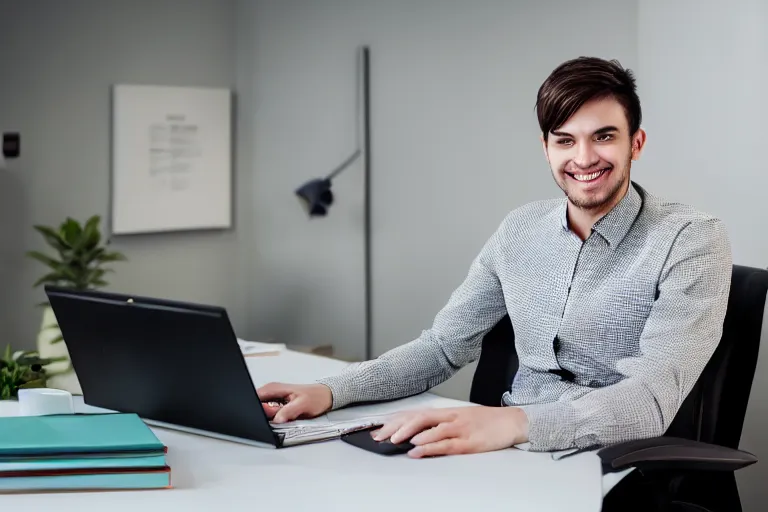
[(21, 369), (80, 256)]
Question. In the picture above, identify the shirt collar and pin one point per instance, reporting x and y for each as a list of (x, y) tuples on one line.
[(615, 224)]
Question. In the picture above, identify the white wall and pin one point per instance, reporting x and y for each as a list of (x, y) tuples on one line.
[(59, 60), (703, 69)]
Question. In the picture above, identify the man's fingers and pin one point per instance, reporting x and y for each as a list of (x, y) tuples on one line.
[(416, 424), (435, 434), (289, 412), (270, 409), (387, 429), (273, 391), (444, 447)]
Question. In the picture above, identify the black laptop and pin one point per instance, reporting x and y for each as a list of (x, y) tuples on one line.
[(175, 364)]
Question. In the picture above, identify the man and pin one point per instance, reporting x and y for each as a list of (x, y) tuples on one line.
[(617, 299)]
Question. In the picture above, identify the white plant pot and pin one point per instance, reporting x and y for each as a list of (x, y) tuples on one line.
[(62, 376)]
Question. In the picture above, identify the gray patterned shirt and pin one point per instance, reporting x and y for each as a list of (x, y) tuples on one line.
[(631, 316)]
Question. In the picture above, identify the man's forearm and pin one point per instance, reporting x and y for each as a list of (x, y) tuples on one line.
[(617, 413), (453, 341), (403, 371)]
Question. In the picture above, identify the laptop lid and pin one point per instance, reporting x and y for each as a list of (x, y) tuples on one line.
[(173, 363)]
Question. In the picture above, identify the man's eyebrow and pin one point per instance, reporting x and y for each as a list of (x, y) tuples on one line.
[(606, 129), (599, 131)]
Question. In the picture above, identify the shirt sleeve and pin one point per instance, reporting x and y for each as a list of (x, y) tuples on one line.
[(453, 341), (680, 335)]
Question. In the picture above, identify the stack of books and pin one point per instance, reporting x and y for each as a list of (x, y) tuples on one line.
[(80, 452)]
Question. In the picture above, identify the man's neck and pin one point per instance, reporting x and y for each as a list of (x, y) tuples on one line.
[(581, 220)]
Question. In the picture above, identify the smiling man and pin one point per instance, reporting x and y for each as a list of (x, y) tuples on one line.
[(617, 299)]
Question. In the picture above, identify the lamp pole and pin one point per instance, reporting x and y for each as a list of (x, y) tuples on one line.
[(367, 202), (317, 197)]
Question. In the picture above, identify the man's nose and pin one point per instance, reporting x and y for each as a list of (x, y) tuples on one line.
[(586, 156)]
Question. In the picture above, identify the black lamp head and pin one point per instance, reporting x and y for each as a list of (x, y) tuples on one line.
[(316, 196)]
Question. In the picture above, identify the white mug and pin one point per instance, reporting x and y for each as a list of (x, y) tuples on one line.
[(45, 401)]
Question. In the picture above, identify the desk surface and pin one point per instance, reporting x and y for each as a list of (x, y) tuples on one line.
[(209, 473)]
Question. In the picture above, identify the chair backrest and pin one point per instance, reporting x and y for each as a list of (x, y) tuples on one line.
[(714, 411)]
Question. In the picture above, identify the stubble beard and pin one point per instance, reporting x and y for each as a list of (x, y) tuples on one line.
[(597, 202)]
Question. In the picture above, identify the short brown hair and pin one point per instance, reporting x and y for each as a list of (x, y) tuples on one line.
[(577, 81)]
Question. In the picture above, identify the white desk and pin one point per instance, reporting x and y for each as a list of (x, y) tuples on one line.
[(210, 474)]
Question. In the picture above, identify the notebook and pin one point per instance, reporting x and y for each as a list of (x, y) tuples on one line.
[(76, 434), (59, 463), (87, 480)]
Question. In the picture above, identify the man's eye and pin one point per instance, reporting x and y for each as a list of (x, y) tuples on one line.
[(604, 137), (565, 142)]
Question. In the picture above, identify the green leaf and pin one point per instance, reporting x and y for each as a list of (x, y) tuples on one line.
[(63, 274), (37, 383), (91, 235), (59, 338), (31, 358), (70, 231), (52, 278), (45, 260), (93, 254), (53, 238), (111, 256), (50, 360), (98, 273)]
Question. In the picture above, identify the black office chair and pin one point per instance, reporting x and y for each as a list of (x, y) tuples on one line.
[(696, 473)]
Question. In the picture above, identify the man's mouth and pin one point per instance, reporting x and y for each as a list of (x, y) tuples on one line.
[(585, 178)]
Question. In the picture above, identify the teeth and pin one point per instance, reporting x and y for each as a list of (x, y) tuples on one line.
[(588, 177)]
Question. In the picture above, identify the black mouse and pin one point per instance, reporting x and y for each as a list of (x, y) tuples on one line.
[(363, 439)]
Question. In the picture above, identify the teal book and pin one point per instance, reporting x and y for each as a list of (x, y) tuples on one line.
[(72, 435), (87, 481), (75, 463)]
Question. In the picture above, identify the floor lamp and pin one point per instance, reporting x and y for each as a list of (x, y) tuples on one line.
[(317, 197)]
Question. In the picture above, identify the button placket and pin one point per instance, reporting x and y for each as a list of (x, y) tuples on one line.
[(556, 343)]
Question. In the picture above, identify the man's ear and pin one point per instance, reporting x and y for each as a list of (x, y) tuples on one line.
[(638, 143)]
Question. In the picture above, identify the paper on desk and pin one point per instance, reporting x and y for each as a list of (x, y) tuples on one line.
[(322, 428), (260, 348)]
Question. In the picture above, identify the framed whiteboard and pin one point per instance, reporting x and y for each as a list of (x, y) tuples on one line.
[(171, 159)]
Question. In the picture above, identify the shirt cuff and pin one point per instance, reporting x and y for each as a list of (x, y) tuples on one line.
[(552, 427), (342, 388)]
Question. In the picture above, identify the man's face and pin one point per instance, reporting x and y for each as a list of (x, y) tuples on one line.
[(591, 153)]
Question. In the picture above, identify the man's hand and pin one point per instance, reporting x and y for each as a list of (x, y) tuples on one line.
[(294, 400), (470, 429)]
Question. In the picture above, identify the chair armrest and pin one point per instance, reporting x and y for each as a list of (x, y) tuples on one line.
[(672, 453)]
